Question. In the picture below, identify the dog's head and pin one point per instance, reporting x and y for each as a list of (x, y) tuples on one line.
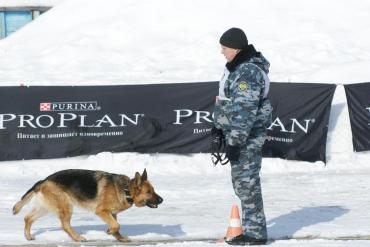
[(144, 194)]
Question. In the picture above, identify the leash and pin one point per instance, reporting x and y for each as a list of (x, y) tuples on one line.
[(218, 157)]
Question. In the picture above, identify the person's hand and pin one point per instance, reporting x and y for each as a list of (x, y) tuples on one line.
[(232, 152)]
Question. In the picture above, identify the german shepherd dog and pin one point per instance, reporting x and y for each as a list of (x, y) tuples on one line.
[(106, 194)]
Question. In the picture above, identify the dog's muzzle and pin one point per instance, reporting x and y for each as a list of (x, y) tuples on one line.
[(155, 203)]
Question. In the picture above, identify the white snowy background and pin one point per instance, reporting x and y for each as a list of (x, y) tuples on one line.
[(115, 42)]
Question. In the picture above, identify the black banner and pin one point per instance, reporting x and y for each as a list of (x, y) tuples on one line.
[(358, 98), (300, 121), (52, 122)]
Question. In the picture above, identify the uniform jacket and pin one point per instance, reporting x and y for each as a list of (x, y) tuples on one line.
[(247, 107)]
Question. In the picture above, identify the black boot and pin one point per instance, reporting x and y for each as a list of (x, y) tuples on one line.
[(245, 240)]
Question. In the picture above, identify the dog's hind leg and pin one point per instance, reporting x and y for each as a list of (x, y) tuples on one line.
[(109, 218), (60, 203), (65, 216), (31, 217)]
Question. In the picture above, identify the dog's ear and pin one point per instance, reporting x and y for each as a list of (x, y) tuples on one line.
[(138, 179), (144, 176)]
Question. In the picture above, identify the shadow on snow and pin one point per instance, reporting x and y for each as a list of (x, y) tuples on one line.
[(127, 230), (288, 224)]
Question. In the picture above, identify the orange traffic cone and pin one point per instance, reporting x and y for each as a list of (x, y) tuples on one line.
[(235, 228)]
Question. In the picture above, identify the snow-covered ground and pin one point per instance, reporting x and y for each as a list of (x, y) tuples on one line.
[(93, 42)]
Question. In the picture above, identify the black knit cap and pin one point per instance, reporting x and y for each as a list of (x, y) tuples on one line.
[(234, 38)]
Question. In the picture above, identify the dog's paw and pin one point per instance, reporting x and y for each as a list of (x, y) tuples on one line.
[(30, 237), (124, 239), (80, 239)]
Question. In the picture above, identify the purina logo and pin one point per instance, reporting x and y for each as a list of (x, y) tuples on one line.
[(70, 106)]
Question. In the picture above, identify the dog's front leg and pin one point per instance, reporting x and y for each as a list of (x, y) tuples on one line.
[(113, 225), (115, 217)]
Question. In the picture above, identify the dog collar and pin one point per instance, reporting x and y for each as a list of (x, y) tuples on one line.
[(128, 196)]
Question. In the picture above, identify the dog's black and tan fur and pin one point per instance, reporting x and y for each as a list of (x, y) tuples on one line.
[(104, 193)]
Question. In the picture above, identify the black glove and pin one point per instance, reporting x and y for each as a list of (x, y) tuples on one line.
[(232, 152), (218, 143), (217, 140)]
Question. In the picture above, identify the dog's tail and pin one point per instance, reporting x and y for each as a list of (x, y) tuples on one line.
[(27, 197)]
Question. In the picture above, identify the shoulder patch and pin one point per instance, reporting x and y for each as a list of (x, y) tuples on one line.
[(243, 86)]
